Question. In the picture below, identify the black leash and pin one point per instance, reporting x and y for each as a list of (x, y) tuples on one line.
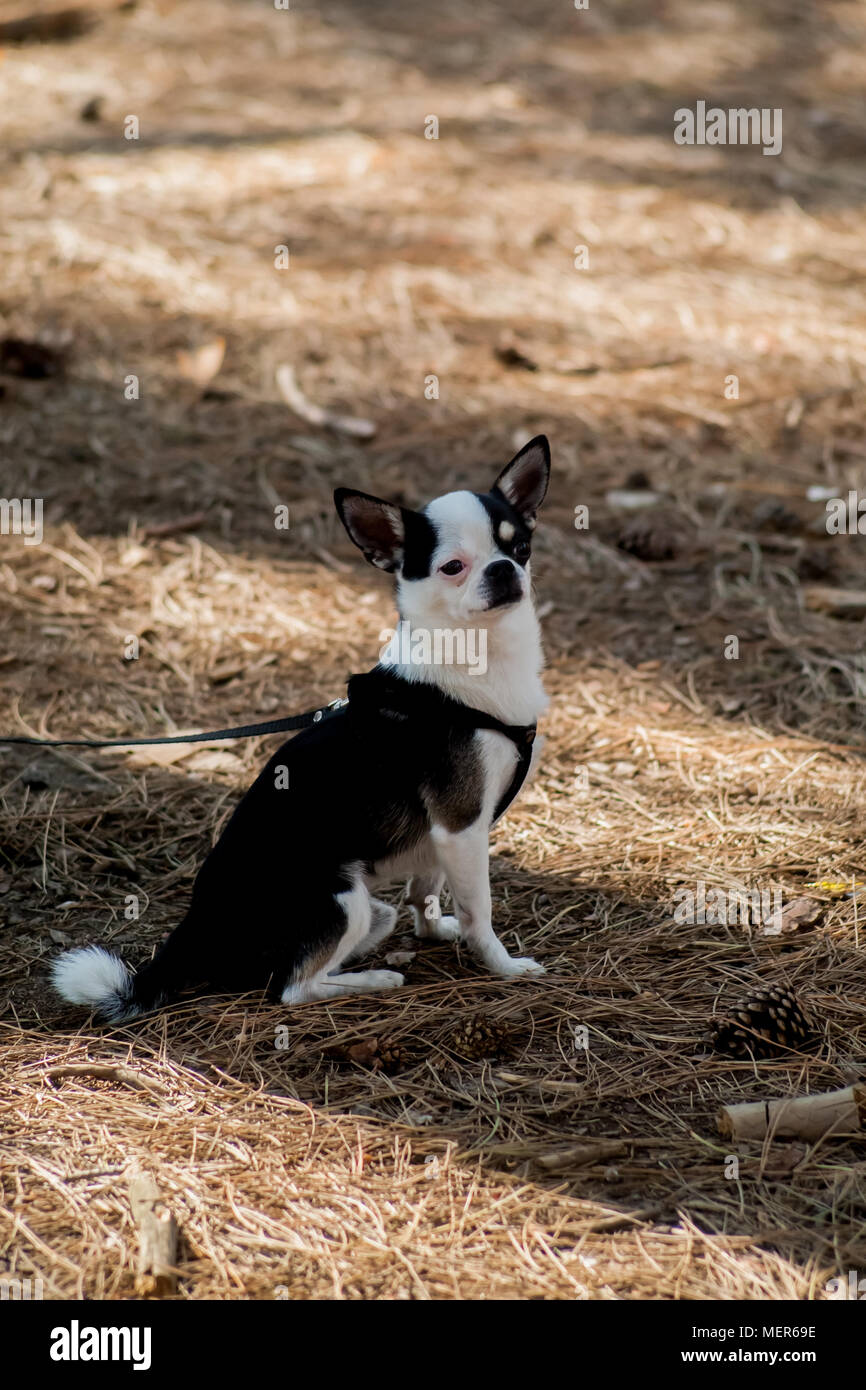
[(271, 726)]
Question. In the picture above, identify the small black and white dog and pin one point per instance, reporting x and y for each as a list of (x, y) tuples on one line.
[(405, 778)]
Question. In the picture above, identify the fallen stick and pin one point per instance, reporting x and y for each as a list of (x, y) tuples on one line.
[(589, 1151), (156, 1271), (804, 1117), (105, 1073), (316, 414), (581, 1155), (43, 28), (838, 603), (615, 1221), (174, 528)]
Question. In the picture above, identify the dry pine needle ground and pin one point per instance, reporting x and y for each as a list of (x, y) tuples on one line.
[(437, 1143)]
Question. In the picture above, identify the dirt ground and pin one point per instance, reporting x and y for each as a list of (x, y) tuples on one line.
[(416, 1145)]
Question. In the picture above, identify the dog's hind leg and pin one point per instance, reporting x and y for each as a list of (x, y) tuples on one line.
[(383, 919), (422, 894), (323, 987), (320, 980)]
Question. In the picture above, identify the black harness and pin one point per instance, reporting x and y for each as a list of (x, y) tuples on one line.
[(392, 696), (378, 690)]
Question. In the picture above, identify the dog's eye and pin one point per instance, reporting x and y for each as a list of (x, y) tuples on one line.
[(521, 551), (452, 567)]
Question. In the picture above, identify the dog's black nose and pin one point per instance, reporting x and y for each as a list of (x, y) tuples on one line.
[(502, 584)]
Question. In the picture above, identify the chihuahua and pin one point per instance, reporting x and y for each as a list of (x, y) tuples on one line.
[(402, 779)]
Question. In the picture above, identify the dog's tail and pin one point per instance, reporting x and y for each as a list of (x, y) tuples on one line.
[(93, 976)]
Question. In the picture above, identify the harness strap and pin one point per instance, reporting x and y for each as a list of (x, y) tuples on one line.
[(524, 758)]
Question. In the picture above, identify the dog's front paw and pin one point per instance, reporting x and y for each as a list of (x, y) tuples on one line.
[(520, 965), (447, 929), (438, 929)]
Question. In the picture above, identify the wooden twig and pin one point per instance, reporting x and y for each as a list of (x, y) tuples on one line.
[(156, 1269), (804, 1117), (839, 603), (56, 26), (174, 528), (619, 1219), (580, 1155), (104, 1072), (590, 1151), (316, 414)]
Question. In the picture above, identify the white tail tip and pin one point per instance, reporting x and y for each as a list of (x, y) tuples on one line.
[(93, 977)]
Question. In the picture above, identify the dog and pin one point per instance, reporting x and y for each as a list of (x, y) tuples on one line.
[(404, 778)]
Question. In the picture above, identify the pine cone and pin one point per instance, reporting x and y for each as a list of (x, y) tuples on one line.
[(392, 1055), (380, 1054), (479, 1037), (771, 515), (766, 1023), (655, 535)]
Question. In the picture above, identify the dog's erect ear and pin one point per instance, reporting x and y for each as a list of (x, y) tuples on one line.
[(375, 526), (523, 481)]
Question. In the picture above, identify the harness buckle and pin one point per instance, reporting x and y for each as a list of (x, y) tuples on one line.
[(332, 704)]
